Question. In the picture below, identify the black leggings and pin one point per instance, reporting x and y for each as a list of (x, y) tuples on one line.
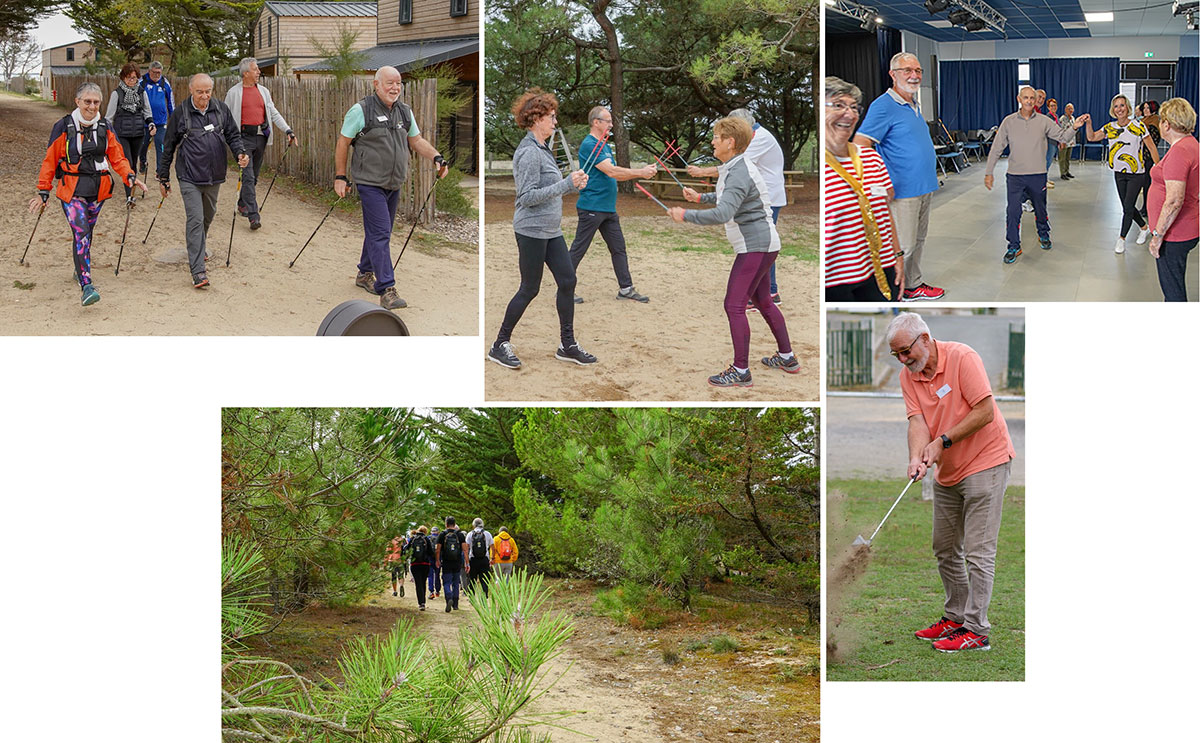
[(534, 253), (421, 576), (1129, 185), (131, 146)]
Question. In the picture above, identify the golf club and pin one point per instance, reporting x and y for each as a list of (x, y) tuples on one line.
[(124, 232), (314, 234), (31, 234), (152, 221), (859, 540), (241, 172), (281, 162), (414, 227)]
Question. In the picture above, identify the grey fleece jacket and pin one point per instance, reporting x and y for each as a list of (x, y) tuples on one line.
[(743, 205), (540, 188), (1026, 141)]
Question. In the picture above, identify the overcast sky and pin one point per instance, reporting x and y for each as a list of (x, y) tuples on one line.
[(54, 30)]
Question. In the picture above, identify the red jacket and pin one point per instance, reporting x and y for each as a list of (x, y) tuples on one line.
[(56, 160)]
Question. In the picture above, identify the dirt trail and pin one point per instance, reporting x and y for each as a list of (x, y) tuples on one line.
[(609, 707), (257, 295)]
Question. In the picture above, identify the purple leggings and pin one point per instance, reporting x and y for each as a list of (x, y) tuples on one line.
[(81, 216), (749, 279)]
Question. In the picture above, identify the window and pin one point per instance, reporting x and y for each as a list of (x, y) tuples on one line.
[(269, 41), (1023, 72), (260, 34), (70, 54), (406, 11), (458, 8)]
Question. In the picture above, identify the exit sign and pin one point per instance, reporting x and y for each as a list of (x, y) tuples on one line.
[(1149, 54)]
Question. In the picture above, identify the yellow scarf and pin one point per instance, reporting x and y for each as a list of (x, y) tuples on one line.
[(870, 226)]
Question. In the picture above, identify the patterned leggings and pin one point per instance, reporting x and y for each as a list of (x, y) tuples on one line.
[(81, 216)]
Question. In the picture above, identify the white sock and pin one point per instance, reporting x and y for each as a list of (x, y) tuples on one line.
[(785, 356), (741, 371)]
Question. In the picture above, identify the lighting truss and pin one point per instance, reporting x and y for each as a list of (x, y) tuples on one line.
[(992, 19), (865, 14)]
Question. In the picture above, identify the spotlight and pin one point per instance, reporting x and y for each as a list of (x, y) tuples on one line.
[(959, 16), (936, 6), (975, 24)]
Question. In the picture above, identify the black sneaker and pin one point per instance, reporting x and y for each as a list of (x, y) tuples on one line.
[(504, 355), (574, 353), (199, 280), (1045, 242), (422, 607), (731, 377), (255, 224), (791, 366), (1010, 256), (393, 593), (632, 294), (578, 299), (447, 607)]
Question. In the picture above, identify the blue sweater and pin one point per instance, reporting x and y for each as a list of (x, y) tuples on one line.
[(162, 101)]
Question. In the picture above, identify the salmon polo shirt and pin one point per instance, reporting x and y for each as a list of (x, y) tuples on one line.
[(959, 383)]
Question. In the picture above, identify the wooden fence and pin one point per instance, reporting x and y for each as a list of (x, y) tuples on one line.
[(314, 109)]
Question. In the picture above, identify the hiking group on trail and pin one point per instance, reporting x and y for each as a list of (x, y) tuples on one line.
[(748, 197), (85, 148), (439, 561)]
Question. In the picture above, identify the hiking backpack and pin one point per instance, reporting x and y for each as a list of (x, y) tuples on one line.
[(479, 550), (453, 547), (420, 549), (503, 548)]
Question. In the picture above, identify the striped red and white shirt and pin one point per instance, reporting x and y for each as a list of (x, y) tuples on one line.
[(847, 254)]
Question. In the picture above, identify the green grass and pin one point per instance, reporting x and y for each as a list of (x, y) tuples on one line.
[(900, 592)]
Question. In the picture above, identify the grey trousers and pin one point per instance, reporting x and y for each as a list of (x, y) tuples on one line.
[(200, 206), (256, 148), (506, 569), (912, 224), (966, 527)]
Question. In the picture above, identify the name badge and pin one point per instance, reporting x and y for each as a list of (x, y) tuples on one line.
[(878, 191), (382, 118), (208, 127), (943, 391)]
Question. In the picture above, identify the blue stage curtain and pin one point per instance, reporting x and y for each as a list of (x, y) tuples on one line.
[(1088, 82), (855, 59), (977, 94), (889, 42), (1187, 82)]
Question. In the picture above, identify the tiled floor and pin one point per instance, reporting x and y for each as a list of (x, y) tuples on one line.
[(965, 246)]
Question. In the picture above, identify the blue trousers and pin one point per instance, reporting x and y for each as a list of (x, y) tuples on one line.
[(435, 578), (451, 583), (1021, 187), (379, 212)]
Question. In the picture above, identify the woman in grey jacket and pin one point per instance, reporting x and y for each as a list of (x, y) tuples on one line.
[(537, 222)]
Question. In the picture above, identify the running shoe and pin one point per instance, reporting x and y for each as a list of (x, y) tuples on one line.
[(1010, 256), (578, 299), (924, 291), (1120, 246), (962, 639), (939, 629), (503, 354), (199, 280), (90, 295), (1142, 235), (632, 294), (750, 306), (366, 280), (775, 298), (1027, 206), (393, 593), (731, 377), (574, 353), (1045, 243), (255, 223), (791, 366), (390, 300)]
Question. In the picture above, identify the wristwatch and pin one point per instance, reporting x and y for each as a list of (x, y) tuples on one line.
[(946, 442), (1155, 233)]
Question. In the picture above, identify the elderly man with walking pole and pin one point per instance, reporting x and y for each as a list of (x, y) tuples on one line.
[(254, 112)]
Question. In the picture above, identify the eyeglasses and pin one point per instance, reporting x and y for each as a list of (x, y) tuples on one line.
[(910, 70), (906, 349), (844, 107)]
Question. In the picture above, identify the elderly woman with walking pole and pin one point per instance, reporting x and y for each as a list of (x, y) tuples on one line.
[(83, 151)]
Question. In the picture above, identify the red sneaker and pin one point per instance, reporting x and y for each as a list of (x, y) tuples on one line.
[(938, 629), (924, 291), (962, 639)]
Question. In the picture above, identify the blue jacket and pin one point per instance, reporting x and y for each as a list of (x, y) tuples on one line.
[(161, 99)]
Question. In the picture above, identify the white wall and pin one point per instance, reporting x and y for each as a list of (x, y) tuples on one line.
[(924, 49), (1127, 48)]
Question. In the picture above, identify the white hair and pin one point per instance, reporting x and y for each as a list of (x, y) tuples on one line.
[(478, 523), (743, 114), (379, 72), (156, 65), (244, 65), (909, 321), (88, 88), (900, 56)]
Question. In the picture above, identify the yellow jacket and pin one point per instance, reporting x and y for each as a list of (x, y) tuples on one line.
[(496, 548)]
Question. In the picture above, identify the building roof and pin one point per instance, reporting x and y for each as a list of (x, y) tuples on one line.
[(409, 55), (66, 69), (342, 10), (63, 46)]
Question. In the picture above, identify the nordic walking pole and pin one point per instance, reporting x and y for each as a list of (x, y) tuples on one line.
[(656, 201), (859, 540), (241, 172), (128, 211), (31, 234), (414, 227), (281, 162), (668, 169), (314, 234), (597, 148), (152, 221)]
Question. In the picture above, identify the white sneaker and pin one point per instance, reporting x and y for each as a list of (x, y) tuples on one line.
[(1142, 236), (1120, 247), (1027, 206)]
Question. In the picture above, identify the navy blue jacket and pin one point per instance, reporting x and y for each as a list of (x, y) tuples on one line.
[(200, 156)]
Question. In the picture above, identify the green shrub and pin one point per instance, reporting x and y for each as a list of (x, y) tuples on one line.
[(450, 196), (634, 605), (724, 644), (670, 657)]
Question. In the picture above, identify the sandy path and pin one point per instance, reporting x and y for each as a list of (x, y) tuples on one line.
[(608, 707), (661, 351), (257, 295)]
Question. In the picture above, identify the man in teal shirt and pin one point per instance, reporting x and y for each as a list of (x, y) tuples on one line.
[(597, 204)]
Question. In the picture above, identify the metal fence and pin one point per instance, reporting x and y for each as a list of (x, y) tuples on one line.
[(850, 356), (1016, 357), (314, 109)]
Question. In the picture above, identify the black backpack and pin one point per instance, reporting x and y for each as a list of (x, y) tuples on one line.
[(452, 550), (420, 548), (478, 545)]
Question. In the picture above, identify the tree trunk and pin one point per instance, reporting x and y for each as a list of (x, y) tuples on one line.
[(616, 82)]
